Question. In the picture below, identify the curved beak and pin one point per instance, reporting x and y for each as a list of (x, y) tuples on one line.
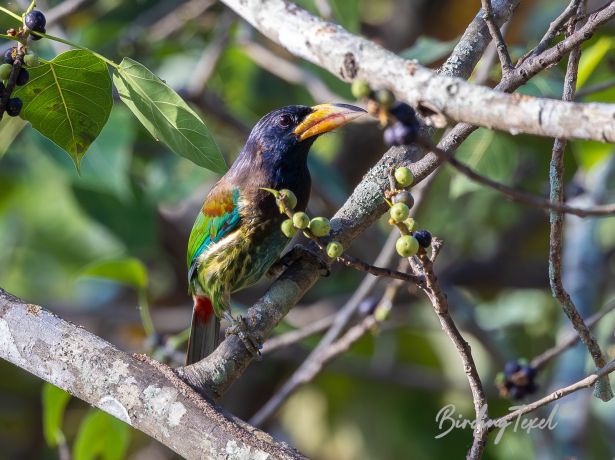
[(325, 118)]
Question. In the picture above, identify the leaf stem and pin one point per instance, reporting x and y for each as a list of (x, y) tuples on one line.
[(10, 13), (75, 45), (31, 7), (8, 37)]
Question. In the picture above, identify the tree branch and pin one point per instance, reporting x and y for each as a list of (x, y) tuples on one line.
[(556, 180), (145, 394), (498, 39), (440, 305), (542, 359), (514, 194), (587, 382), (350, 57)]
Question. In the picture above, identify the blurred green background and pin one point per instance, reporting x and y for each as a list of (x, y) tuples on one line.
[(127, 217)]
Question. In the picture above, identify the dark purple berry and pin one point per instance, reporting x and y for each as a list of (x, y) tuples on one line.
[(406, 133), (35, 20), (23, 77), (9, 55), (529, 372), (399, 134), (404, 113), (389, 136), (511, 367), (38, 37), (13, 106), (516, 393), (423, 237)]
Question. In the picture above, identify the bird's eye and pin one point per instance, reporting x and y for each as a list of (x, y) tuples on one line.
[(285, 121)]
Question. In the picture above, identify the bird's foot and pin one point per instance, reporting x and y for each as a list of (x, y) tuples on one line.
[(298, 251), (317, 256), (239, 327)]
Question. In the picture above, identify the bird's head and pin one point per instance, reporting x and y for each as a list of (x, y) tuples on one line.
[(283, 137)]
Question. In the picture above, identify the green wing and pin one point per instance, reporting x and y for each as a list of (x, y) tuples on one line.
[(218, 217)]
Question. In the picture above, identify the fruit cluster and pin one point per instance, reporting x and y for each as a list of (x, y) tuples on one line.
[(402, 200), (517, 380), (398, 118), (316, 227), (33, 21)]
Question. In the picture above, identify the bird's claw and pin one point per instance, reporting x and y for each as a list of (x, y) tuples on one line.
[(239, 327)]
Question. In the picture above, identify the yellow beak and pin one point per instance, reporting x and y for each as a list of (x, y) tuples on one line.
[(325, 118)]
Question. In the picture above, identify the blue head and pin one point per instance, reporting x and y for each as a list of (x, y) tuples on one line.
[(275, 154)]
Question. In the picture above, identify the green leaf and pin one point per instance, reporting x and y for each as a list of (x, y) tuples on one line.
[(591, 57), (129, 271), (166, 116), (54, 404), (101, 436), (488, 153), (428, 50), (68, 100)]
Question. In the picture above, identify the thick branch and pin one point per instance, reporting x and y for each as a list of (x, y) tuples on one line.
[(350, 57), (145, 394)]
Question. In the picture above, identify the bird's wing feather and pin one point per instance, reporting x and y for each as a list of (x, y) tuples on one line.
[(218, 217)]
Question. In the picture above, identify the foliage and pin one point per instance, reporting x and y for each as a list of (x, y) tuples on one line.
[(97, 244)]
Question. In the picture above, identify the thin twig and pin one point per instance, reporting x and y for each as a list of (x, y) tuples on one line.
[(542, 359), (496, 33), (310, 367), (352, 335), (517, 195), (554, 29), (440, 304), (292, 337), (556, 175), (358, 264), (587, 382), (491, 54)]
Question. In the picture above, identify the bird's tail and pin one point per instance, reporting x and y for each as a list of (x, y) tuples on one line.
[(204, 331)]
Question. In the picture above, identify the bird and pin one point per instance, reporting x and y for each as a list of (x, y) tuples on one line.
[(236, 236)]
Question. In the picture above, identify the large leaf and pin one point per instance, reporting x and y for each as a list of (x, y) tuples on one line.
[(54, 404), (68, 100), (129, 271), (166, 116), (101, 437)]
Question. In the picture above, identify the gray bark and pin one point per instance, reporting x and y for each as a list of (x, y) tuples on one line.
[(145, 394)]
